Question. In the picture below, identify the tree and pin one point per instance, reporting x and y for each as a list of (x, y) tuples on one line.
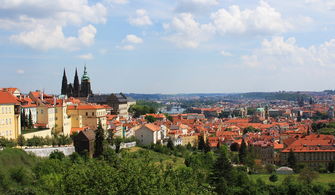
[(57, 155), (299, 117), (99, 140), (273, 178), (21, 141), (110, 137), (291, 160), (222, 172), (23, 119), (118, 141), (242, 153), (207, 147), (307, 176), (170, 144), (30, 120), (331, 166), (150, 119), (201, 143)]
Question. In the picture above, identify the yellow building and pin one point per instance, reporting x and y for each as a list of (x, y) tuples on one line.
[(87, 115), (63, 121), (10, 122), (46, 116)]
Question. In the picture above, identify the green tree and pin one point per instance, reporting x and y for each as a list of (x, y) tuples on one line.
[(273, 178), (222, 172), (110, 137), (30, 120), (307, 175), (242, 153), (23, 119), (150, 119), (291, 160), (99, 140), (57, 155), (170, 144), (201, 143), (207, 147), (21, 141)]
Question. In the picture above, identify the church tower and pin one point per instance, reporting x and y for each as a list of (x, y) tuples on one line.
[(85, 88), (76, 85), (64, 84)]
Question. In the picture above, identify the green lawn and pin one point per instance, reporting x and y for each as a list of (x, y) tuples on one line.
[(156, 157), (323, 178)]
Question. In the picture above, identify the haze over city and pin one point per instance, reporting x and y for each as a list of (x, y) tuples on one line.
[(185, 46)]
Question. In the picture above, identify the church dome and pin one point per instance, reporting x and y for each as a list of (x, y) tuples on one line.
[(85, 76)]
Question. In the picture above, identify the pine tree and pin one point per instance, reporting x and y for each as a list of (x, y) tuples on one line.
[(23, 119), (207, 147), (201, 143), (291, 160), (242, 153), (30, 120), (99, 140), (222, 172), (170, 144)]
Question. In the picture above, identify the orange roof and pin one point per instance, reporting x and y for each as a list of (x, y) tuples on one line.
[(152, 127), (7, 98), (85, 107)]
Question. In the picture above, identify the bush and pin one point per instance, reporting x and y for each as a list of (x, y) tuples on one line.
[(273, 178), (20, 175), (57, 155)]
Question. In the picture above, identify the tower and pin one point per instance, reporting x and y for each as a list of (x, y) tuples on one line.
[(64, 84), (76, 85), (85, 88)]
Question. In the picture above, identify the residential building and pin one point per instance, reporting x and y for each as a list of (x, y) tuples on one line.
[(10, 121)]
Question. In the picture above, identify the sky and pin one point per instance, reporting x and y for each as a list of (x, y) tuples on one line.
[(169, 46)]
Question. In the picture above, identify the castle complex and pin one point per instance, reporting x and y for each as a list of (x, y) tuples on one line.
[(76, 89)]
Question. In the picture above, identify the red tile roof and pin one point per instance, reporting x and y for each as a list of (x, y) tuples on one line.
[(7, 98)]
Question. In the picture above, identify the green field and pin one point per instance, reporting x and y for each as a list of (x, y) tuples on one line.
[(323, 178), (145, 154)]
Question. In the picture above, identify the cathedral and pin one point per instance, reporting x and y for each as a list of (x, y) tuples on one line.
[(76, 89)]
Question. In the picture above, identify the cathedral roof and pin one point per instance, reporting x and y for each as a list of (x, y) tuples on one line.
[(85, 76)]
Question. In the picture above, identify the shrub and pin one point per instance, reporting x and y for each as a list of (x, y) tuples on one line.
[(273, 178)]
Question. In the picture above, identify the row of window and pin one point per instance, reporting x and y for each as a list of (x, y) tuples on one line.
[(6, 133), (5, 121), (6, 110)]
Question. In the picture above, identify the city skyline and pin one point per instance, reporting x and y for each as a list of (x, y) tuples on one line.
[(187, 46)]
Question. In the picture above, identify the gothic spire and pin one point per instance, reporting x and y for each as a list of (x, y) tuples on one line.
[(76, 85), (64, 84)]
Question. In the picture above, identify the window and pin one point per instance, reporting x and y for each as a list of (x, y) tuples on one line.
[(92, 113), (86, 113)]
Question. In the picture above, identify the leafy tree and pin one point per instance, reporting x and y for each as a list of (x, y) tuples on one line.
[(307, 176), (150, 119), (243, 152), (21, 141), (273, 178), (291, 160), (207, 147), (57, 155), (222, 172), (170, 144), (118, 142), (331, 166), (234, 147), (201, 143), (110, 137), (99, 140)]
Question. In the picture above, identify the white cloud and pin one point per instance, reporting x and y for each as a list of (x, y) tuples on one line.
[(281, 53), (133, 39), (225, 53), (46, 21), (262, 19), (117, 1), (187, 32), (48, 38), (20, 71), (127, 47), (88, 56), (195, 5), (141, 19)]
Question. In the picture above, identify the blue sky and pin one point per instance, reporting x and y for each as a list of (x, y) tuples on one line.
[(168, 46)]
